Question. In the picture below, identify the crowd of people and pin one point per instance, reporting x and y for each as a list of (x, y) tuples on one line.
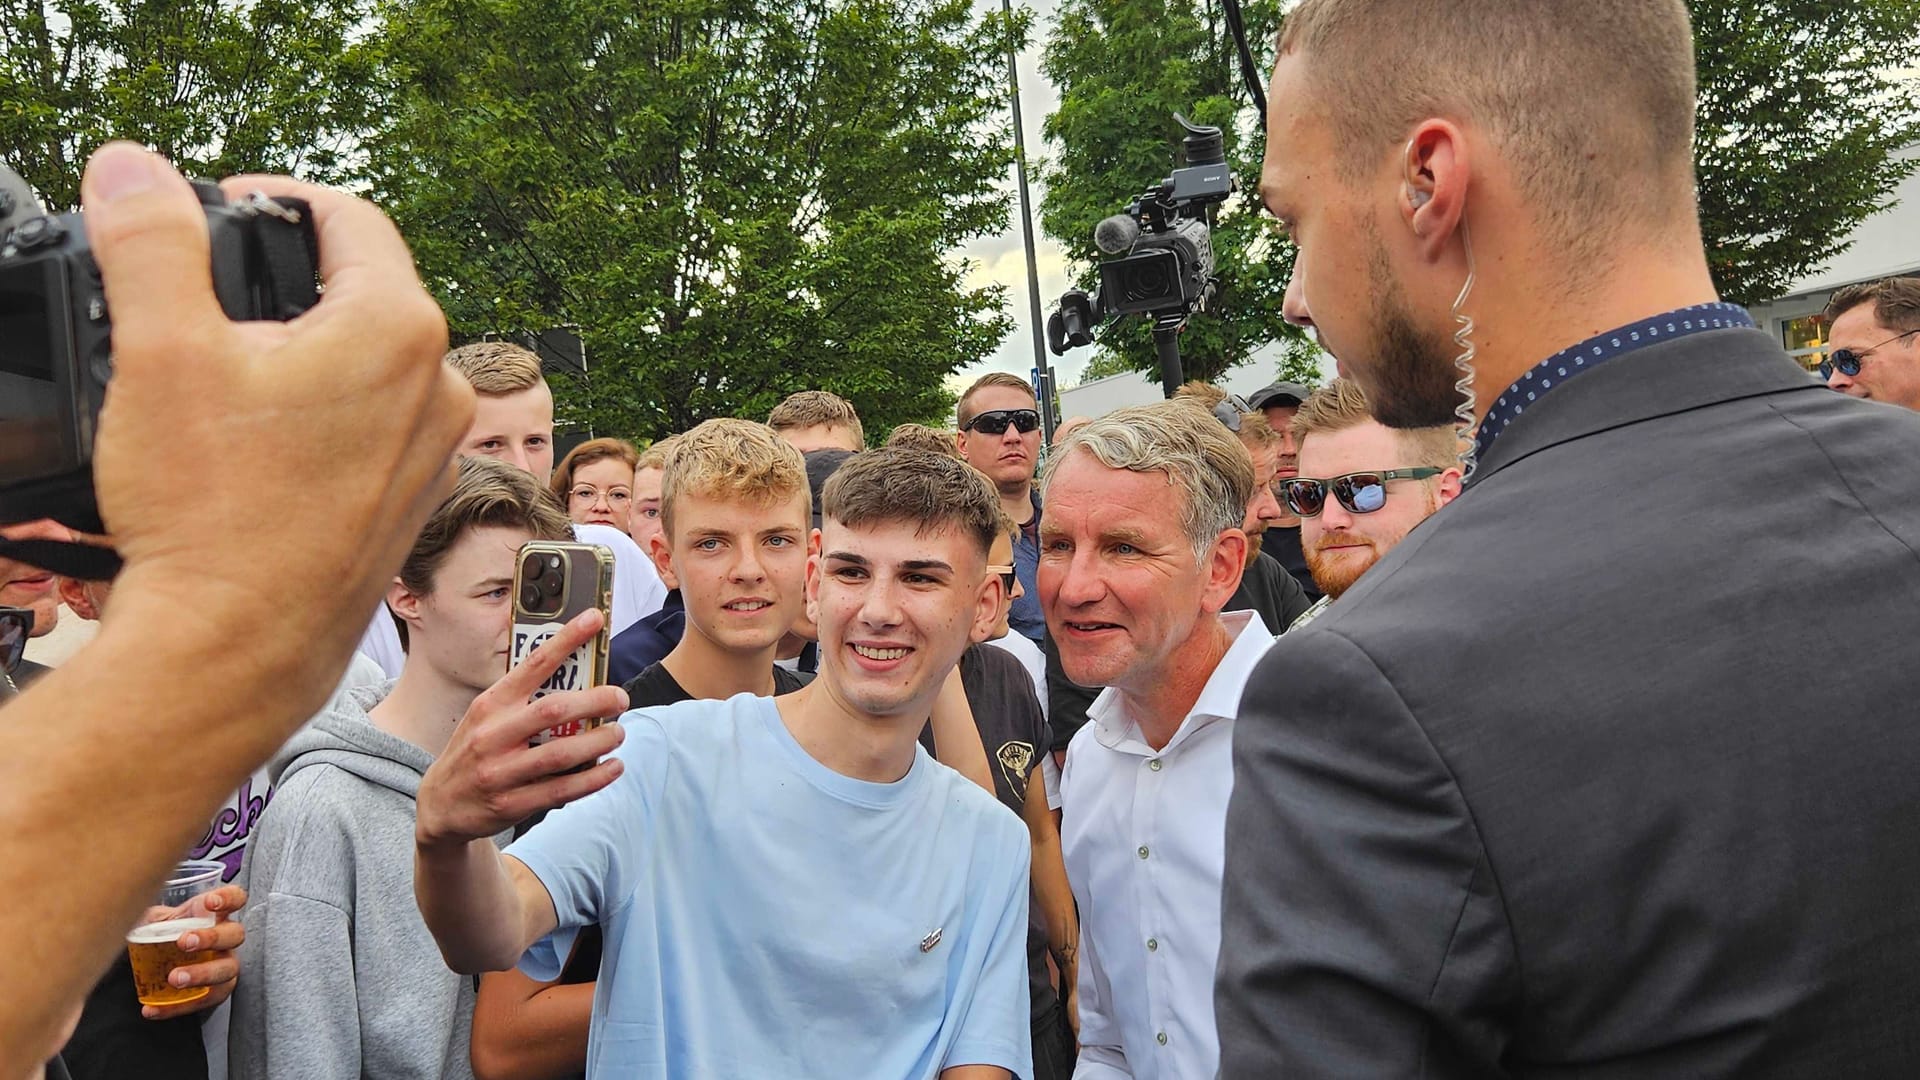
[(1305, 734)]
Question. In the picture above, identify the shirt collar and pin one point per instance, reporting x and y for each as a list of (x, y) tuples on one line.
[(1115, 729), (1564, 365)]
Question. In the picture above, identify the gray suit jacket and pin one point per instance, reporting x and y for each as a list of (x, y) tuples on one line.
[(1612, 767)]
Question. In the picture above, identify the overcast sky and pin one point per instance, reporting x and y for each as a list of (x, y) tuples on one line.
[(1002, 259)]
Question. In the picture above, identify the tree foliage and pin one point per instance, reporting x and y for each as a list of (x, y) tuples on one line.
[(733, 199), (1802, 106), (219, 87), (1123, 68)]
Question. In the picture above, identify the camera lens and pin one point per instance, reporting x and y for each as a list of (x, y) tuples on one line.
[(530, 597), (553, 562), (530, 568)]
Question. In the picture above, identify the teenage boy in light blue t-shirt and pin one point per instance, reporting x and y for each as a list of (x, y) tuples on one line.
[(787, 888)]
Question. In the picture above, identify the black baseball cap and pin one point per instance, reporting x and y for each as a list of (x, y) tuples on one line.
[(1280, 393), (820, 465)]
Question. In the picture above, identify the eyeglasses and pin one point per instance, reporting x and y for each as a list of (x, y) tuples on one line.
[(995, 421), (1006, 576), (16, 626), (1360, 493), (616, 497), (1848, 361), (1230, 410)]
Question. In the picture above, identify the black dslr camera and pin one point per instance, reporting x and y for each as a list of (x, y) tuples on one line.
[(56, 345), (1162, 248)]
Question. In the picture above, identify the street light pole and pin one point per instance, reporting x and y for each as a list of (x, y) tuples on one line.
[(1042, 371)]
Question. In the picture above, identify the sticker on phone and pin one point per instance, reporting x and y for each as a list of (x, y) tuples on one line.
[(572, 674)]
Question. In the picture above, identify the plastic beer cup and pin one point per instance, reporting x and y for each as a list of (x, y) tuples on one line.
[(153, 947)]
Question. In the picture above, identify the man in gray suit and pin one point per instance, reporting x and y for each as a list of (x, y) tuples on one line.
[(1556, 789)]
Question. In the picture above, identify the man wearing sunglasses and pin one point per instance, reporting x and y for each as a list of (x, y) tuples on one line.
[(1363, 486), (999, 434), (1873, 341)]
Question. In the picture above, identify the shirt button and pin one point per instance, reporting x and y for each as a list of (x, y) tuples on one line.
[(1143, 851), (1153, 944), (1161, 1038), (1154, 764)]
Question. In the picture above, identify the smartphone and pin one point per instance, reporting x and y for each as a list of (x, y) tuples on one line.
[(553, 582)]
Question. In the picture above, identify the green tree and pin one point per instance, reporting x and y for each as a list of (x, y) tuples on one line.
[(1123, 68), (1802, 106), (732, 199), (218, 87)]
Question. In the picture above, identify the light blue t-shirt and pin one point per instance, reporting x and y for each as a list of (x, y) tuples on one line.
[(765, 916)]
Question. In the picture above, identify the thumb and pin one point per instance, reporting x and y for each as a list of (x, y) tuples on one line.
[(149, 235)]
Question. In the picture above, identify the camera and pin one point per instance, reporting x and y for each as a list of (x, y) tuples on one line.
[(543, 582), (56, 334), (1162, 262)]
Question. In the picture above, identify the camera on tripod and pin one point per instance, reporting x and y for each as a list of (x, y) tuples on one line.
[(56, 343), (1161, 249)]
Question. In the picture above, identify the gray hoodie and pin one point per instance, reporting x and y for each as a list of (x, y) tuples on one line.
[(340, 977)]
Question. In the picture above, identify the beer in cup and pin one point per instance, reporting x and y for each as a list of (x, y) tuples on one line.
[(154, 951), (153, 947)]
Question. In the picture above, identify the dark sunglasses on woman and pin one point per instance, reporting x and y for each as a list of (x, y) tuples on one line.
[(995, 421), (1360, 492)]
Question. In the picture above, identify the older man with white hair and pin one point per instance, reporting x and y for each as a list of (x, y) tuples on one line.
[(1140, 547)]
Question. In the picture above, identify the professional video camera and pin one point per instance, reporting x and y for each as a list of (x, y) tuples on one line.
[(56, 350), (1162, 248)]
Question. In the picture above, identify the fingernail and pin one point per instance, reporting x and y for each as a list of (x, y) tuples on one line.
[(149, 1012), (121, 169), (188, 942), (178, 978)]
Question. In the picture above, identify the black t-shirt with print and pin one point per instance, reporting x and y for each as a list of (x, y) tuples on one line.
[(1005, 709)]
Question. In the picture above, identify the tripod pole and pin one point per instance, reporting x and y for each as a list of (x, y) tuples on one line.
[(1166, 339)]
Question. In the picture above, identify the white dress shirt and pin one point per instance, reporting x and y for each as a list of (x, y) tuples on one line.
[(1145, 840), (637, 593)]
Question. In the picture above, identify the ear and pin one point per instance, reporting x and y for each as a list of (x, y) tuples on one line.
[(404, 603), (661, 552), (1431, 195), (813, 577), (1224, 565), (986, 610), (73, 593), (1448, 488)]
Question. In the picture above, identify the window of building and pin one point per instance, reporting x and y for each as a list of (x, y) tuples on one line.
[(1805, 339)]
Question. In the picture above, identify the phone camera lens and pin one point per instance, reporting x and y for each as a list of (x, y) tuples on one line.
[(530, 597), (553, 562)]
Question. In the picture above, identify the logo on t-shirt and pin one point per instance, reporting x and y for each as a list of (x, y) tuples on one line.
[(1016, 763), (927, 943)]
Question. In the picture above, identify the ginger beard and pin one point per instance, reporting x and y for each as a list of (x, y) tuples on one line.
[(1337, 558)]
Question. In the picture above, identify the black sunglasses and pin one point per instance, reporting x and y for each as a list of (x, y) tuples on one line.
[(1360, 493), (995, 421), (16, 626), (1848, 361)]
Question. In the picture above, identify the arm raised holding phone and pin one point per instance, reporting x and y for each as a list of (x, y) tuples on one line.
[(485, 908)]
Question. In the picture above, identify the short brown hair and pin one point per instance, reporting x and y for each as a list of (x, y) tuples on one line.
[(1255, 433), (561, 483), (731, 459), (486, 493), (495, 368), (915, 487), (1183, 441), (1593, 103), (657, 454), (922, 437), (1895, 300), (1341, 404), (811, 408), (962, 414)]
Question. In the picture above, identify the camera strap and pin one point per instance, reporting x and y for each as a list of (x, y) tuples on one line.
[(63, 557)]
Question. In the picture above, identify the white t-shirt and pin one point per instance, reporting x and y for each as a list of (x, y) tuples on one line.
[(637, 593)]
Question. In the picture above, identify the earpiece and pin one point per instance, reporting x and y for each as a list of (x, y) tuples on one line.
[(1418, 198)]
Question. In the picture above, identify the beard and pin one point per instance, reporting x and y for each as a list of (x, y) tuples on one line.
[(1410, 379), (1335, 576), (1253, 546)]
